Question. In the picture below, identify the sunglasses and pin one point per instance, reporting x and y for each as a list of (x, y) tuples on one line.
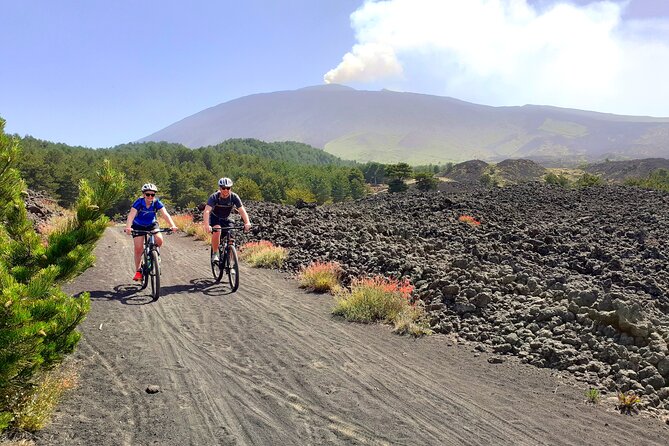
[(150, 195), (225, 188)]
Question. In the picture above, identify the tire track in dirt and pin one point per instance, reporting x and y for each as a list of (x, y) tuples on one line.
[(269, 365)]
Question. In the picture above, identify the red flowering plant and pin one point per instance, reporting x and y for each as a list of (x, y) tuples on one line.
[(469, 220)]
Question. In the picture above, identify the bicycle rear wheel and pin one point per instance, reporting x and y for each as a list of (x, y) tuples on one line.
[(232, 268), (217, 267), (154, 275)]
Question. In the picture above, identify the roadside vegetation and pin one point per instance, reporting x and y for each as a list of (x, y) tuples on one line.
[(382, 299), (593, 396), (628, 402), (38, 320), (263, 254), (37, 408), (186, 225), (321, 277)]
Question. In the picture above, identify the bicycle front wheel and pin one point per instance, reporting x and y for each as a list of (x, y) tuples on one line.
[(154, 276), (216, 267), (146, 268), (232, 268)]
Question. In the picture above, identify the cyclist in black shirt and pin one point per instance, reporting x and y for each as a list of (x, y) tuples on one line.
[(217, 212)]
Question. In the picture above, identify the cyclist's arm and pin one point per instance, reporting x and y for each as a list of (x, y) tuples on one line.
[(169, 219), (205, 218), (131, 217), (245, 218)]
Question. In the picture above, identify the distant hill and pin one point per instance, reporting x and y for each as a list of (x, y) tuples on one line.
[(622, 170), (467, 172), (508, 171), (390, 127), (520, 170)]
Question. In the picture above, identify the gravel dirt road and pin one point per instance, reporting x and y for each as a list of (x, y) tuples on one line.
[(269, 365)]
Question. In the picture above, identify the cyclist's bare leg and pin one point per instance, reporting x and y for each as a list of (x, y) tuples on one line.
[(159, 239), (215, 238), (139, 248)]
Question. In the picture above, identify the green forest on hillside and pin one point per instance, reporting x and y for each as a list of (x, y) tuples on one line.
[(277, 172)]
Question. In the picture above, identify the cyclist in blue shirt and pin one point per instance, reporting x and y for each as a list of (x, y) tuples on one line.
[(143, 217)]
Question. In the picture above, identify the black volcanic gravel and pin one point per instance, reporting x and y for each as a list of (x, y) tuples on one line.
[(574, 280)]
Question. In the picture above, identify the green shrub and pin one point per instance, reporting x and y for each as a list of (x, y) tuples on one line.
[(557, 180), (397, 185), (658, 180), (589, 180), (489, 180), (426, 181)]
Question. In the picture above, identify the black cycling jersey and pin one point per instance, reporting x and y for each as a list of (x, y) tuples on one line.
[(222, 207)]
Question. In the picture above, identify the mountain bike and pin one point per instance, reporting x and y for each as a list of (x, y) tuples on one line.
[(150, 266), (227, 255)]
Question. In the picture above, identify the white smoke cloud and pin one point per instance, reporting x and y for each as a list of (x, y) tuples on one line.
[(508, 52), (366, 62)]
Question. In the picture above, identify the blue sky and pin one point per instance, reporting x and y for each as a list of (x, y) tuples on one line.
[(99, 73)]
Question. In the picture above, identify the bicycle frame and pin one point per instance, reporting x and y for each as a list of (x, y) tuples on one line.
[(227, 257)]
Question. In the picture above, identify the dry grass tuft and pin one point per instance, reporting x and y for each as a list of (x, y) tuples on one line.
[(22, 442), (412, 320), (321, 277), (186, 225), (263, 254), (382, 299), (36, 411)]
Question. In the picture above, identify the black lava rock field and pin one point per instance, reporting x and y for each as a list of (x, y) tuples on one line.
[(574, 280)]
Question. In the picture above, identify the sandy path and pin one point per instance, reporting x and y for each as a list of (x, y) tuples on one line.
[(269, 365)]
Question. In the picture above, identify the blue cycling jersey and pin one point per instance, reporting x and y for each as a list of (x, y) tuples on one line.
[(146, 215)]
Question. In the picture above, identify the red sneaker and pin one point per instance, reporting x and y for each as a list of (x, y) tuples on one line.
[(138, 276)]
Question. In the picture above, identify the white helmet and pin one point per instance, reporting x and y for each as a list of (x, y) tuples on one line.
[(149, 186), (225, 182)]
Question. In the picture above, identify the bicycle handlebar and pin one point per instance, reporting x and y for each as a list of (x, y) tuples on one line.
[(138, 232), (227, 227)]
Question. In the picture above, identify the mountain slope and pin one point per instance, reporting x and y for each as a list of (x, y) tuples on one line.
[(389, 126)]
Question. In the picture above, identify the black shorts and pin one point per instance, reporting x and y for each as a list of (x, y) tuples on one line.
[(222, 222), (151, 227)]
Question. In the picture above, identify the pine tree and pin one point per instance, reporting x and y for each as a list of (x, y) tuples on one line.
[(426, 181), (37, 319)]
